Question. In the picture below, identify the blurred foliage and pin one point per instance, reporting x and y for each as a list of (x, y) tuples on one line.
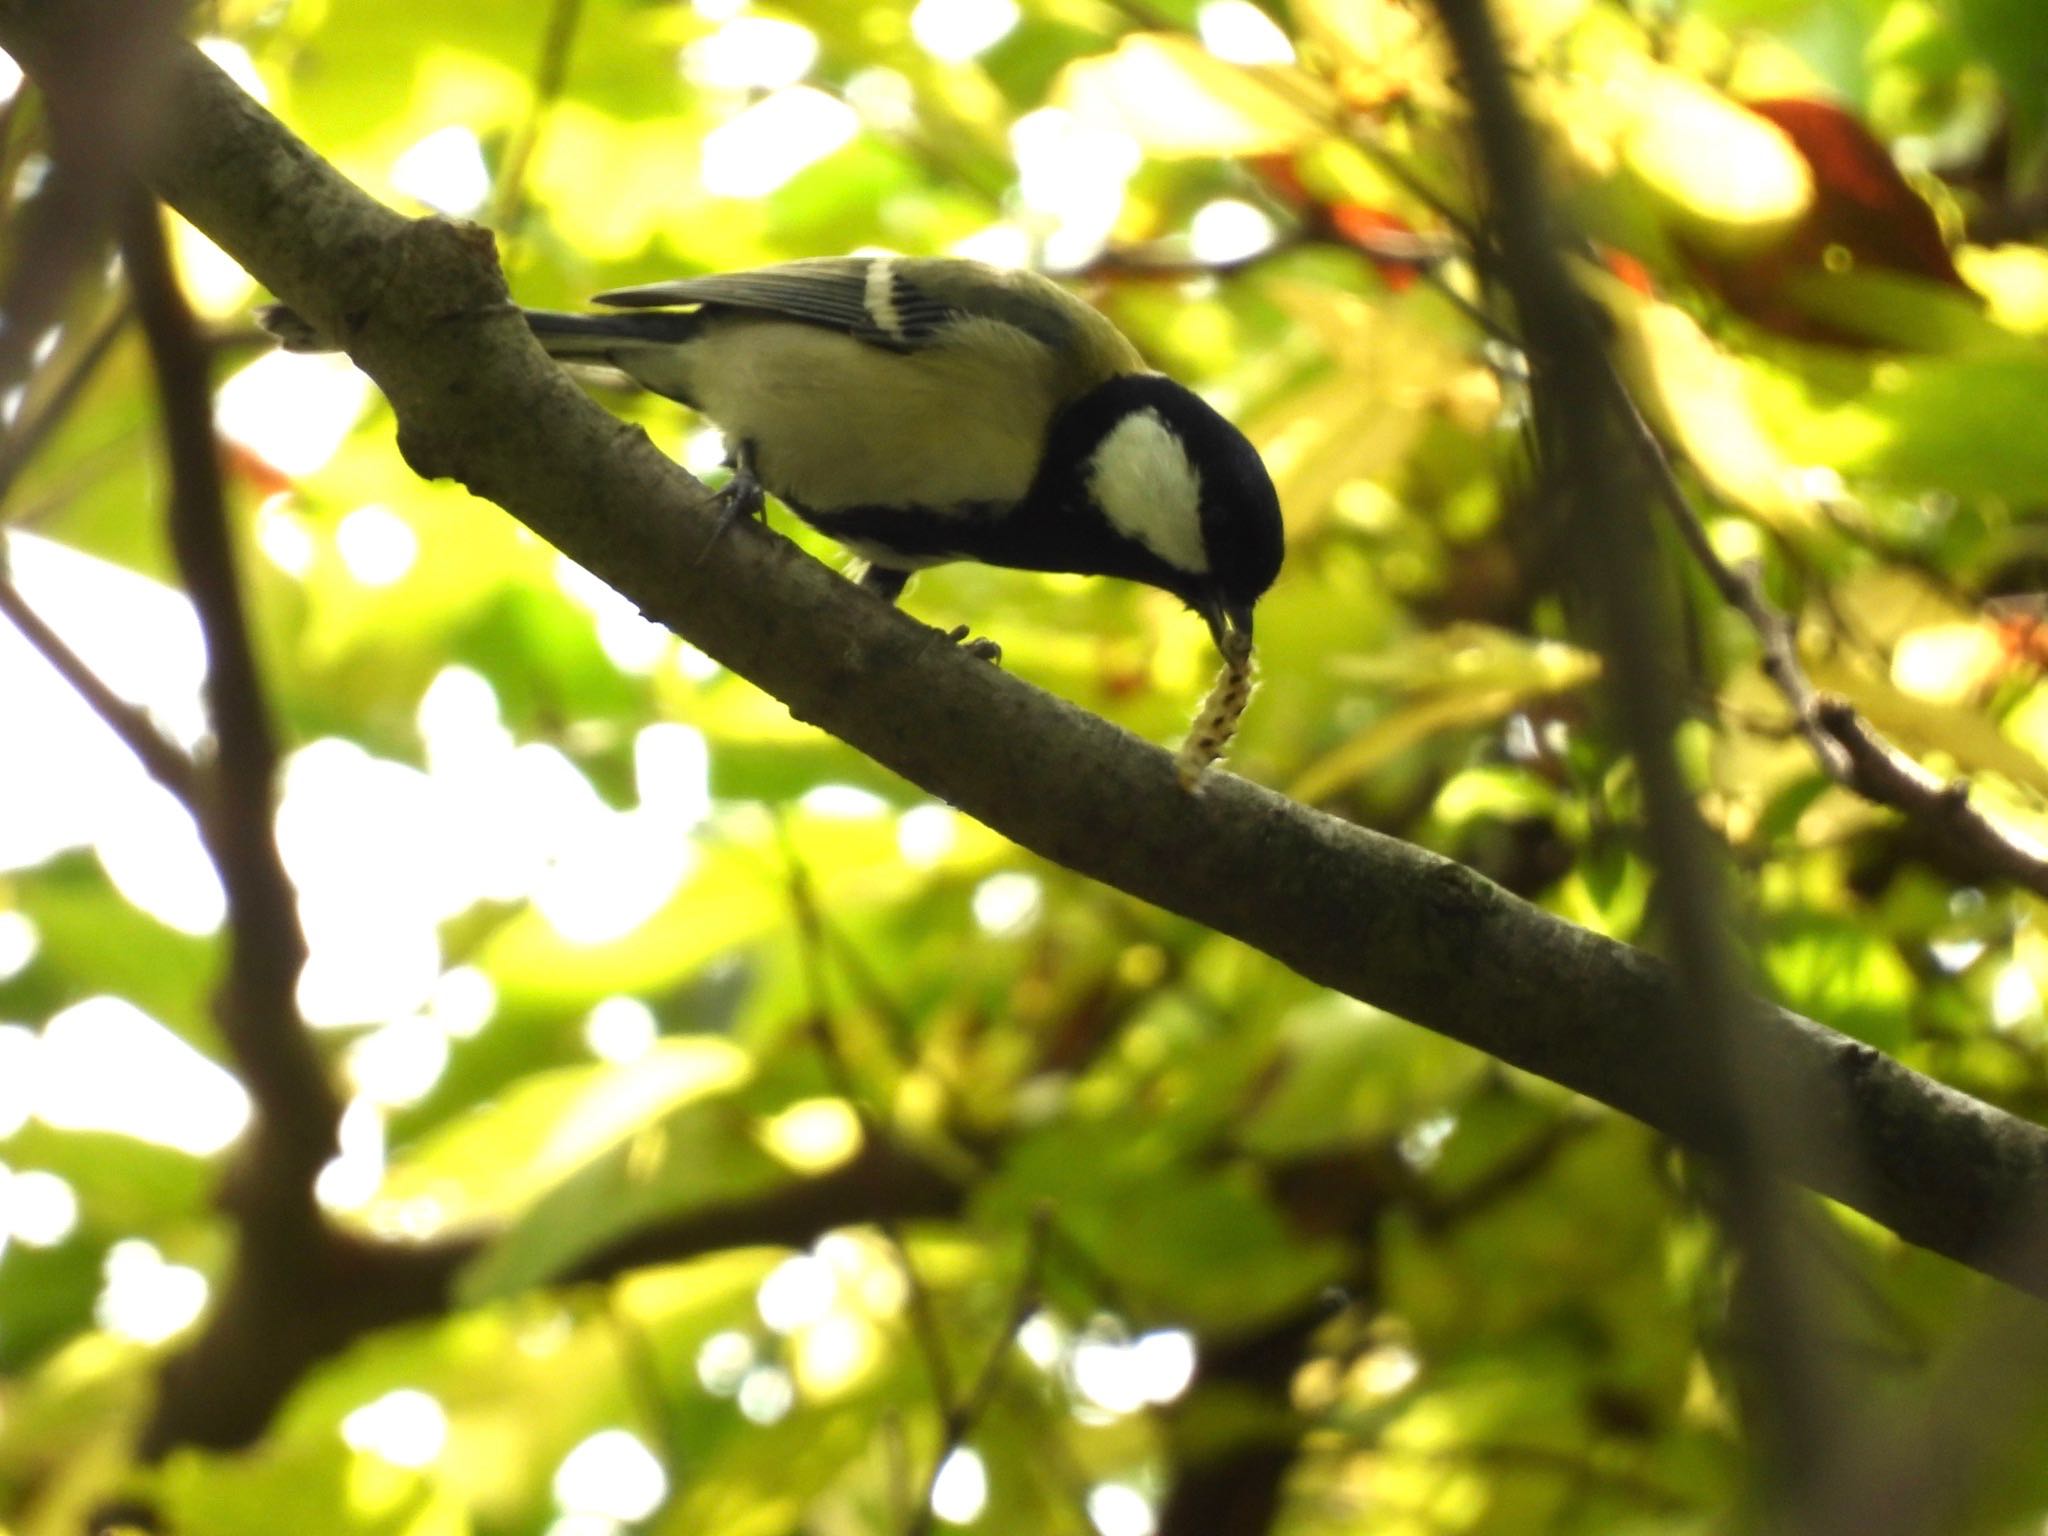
[(1505, 1309)]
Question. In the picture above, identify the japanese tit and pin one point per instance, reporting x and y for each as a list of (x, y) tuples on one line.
[(922, 410)]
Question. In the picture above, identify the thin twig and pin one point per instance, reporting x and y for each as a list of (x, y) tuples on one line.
[(35, 427), (924, 1318), (549, 76), (1851, 751), (644, 1388), (963, 1416), (159, 755)]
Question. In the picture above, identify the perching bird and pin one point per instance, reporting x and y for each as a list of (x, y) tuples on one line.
[(921, 410)]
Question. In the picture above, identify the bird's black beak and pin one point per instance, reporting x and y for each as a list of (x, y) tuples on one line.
[(1230, 626)]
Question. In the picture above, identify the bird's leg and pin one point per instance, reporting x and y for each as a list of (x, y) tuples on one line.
[(888, 583), (741, 496)]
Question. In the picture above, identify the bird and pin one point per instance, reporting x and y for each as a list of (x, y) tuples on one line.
[(921, 410)]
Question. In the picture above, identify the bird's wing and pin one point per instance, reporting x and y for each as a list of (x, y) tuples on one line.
[(891, 301)]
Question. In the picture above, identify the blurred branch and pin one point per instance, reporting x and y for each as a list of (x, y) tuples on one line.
[(423, 310), (878, 1184), (508, 205), (1230, 1483), (1762, 1116), (161, 756)]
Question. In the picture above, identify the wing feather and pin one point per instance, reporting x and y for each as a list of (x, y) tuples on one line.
[(891, 301)]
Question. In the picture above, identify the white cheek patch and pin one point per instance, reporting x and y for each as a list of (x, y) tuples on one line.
[(1141, 478)]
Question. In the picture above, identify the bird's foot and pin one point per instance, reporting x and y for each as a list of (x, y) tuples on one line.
[(979, 646), (740, 497)]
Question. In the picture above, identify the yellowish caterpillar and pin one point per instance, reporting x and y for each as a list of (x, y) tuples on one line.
[(1217, 721)]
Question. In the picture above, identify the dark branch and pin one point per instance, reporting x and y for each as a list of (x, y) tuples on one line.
[(258, 1005), (1761, 1114)]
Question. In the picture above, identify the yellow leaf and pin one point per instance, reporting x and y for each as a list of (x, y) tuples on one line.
[(1474, 675), (1693, 394), (1729, 181), (1176, 99)]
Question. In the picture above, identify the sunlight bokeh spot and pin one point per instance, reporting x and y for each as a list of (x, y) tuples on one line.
[(620, 1030), (458, 719), (925, 834), (463, 1001), (445, 170), (813, 1135), (105, 1065), (1423, 1142), (611, 1473), (377, 545), (798, 1291), (834, 1353), (752, 154), (398, 1064), (1005, 245), (766, 1395), (150, 848), (1386, 1369), (868, 1270), (292, 410), (1238, 32), (146, 1299), (37, 1207), (723, 1361), (957, 30), (1164, 1361), (845, 802), (18, 943), (1118, 1509), (355, 1173), (1072, 174), (406, 1427), (619, 873), (1007, 904), (368, 845), (1044, 1340), (283, 536), (1229, 229), (960, 1491), (2015, 997), (884, 98), (10, 78), (672, 773), (752, 52), (631, 641)]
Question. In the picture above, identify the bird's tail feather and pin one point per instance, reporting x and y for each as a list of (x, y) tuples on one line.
[(563, 335), (572, 336)]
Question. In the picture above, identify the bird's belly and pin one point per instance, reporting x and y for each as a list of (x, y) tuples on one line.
[(835, 424)]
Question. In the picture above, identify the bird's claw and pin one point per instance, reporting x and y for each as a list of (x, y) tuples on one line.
[(739, 498), (979, 646)]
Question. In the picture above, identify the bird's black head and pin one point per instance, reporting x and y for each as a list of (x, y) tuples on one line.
[(1177, 496)]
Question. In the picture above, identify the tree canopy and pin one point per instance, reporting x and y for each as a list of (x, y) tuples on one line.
[(599, 1099)]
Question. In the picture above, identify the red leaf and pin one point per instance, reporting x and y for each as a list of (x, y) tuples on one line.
[(1862, 203)]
